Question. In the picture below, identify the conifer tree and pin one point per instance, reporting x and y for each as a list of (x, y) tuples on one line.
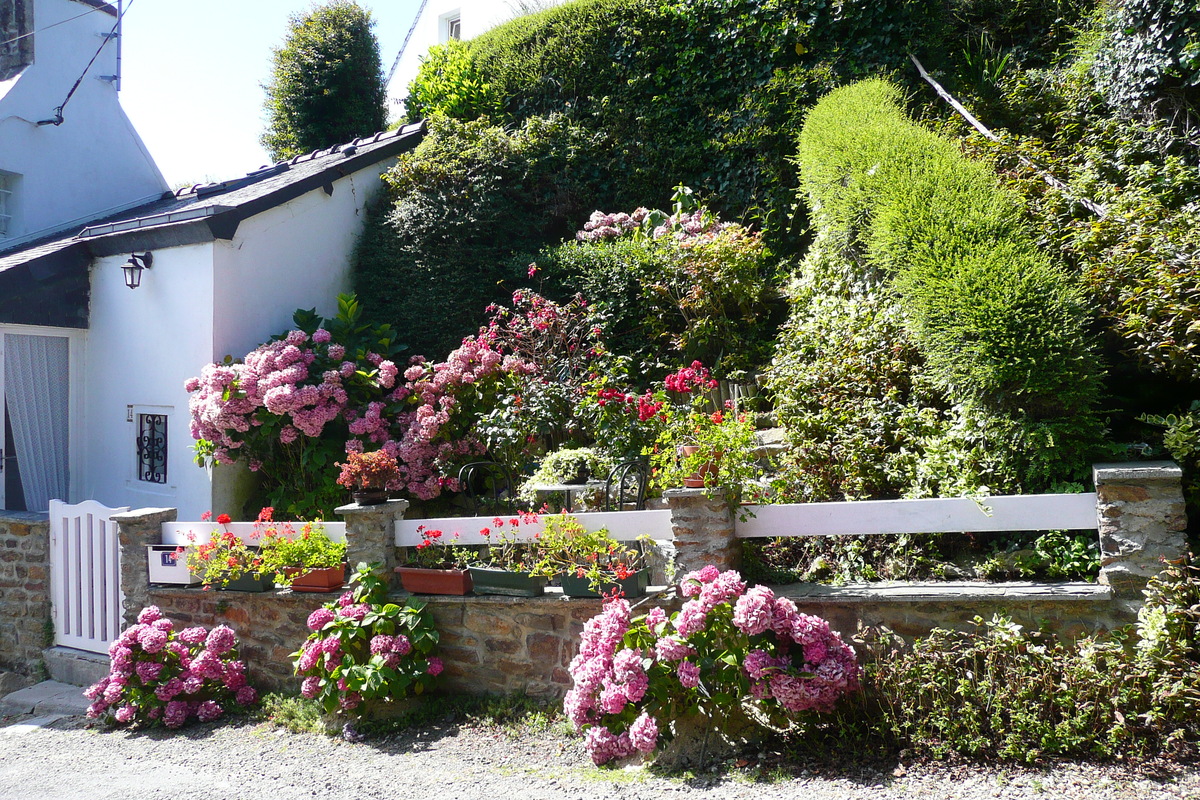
[(327, 82)]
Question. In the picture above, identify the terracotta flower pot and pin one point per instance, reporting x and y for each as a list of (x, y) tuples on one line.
[(329, 579), (697, 480), (417, 580)]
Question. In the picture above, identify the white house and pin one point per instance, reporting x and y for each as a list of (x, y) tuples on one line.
[(437, 22), (68, 153), (92, 403)]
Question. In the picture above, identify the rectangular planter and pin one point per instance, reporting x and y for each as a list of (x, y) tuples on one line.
[(249, 582), (328, 579), (633, 586), (435, 581), (167, 566), (501, 581)]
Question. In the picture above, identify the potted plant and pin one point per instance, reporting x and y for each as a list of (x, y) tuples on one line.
[(368, 476), (699, 447), (436, 566), (308, 561), (589, 563), (505, 565), (228, 562), (568, 467)]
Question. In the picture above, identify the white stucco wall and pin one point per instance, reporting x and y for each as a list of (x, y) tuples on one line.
[(94, 162), (141, 346), (478, 16)]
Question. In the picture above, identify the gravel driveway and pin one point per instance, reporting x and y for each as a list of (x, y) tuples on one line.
[(72, 758)]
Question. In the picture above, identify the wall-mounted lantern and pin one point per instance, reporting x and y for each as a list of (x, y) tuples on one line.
[(134, 266)]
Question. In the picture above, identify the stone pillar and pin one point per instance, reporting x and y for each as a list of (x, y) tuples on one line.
[(371, 533), (135, 530), (1141, 521), (24, 590), (703, 528)]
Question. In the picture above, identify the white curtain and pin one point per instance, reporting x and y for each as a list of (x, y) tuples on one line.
[(37, 387)]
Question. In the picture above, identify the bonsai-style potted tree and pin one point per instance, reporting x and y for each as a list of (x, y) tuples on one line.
[(368, 476)]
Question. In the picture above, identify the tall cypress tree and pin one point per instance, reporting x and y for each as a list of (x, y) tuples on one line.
[(327, 83)]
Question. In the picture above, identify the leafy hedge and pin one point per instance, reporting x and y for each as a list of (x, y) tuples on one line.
[(710, 93), (464, 215)]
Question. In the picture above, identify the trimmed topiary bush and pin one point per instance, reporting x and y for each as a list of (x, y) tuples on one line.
[(1002, 330)]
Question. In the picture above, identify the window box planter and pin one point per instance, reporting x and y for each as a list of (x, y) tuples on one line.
[(249, 582), (501, 581), (417, 580), (328, 579), (168, 566), (633, 586)]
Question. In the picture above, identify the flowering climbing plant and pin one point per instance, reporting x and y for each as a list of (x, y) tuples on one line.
[(726, 649), (363, 649), (163, 676)]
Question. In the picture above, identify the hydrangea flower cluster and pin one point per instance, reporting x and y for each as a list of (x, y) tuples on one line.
[(163, 676), (362, 648), (343, 386), (632, 673), (684, 226)]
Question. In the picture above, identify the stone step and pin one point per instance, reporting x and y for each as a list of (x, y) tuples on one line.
[(76, 667)]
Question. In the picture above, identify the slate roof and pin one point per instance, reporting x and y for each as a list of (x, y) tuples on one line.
[(46, 276), (100, 4)]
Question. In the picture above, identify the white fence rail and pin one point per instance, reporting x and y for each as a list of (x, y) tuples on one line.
[(185, 533), (1034, 512), (622, 525), (85, 577)]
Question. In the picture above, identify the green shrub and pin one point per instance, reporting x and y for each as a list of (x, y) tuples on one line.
[(709, 299), (466, 211), (1002, 330), (326, 82), (1003, 692), (1152, 53)]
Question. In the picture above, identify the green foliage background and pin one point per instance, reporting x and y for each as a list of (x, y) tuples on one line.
[(326, 83)]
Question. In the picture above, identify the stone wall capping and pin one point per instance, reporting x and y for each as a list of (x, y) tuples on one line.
[(1136, 471), (946, 592)]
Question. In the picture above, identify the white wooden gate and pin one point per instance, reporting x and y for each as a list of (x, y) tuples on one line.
[(85, 575)]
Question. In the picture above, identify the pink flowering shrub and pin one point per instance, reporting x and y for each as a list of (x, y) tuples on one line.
[(728, 646), (296, 405), (160, 675), (363, 648)]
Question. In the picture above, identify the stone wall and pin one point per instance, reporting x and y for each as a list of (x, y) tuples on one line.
[(503, 644), (24, 590)]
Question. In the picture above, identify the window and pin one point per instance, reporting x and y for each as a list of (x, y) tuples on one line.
[(7, 184), (16, 31), (450, 26), (152, 448)]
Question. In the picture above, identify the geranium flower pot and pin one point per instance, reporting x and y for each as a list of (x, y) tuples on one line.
[(328, 579), (502, 581), (633, 586), (697, 480), (418, 580), (249, 582)]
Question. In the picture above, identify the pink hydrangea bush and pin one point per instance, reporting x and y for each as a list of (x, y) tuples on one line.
[(164, 676), (337, 389), (728, 646), (362, 648)]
